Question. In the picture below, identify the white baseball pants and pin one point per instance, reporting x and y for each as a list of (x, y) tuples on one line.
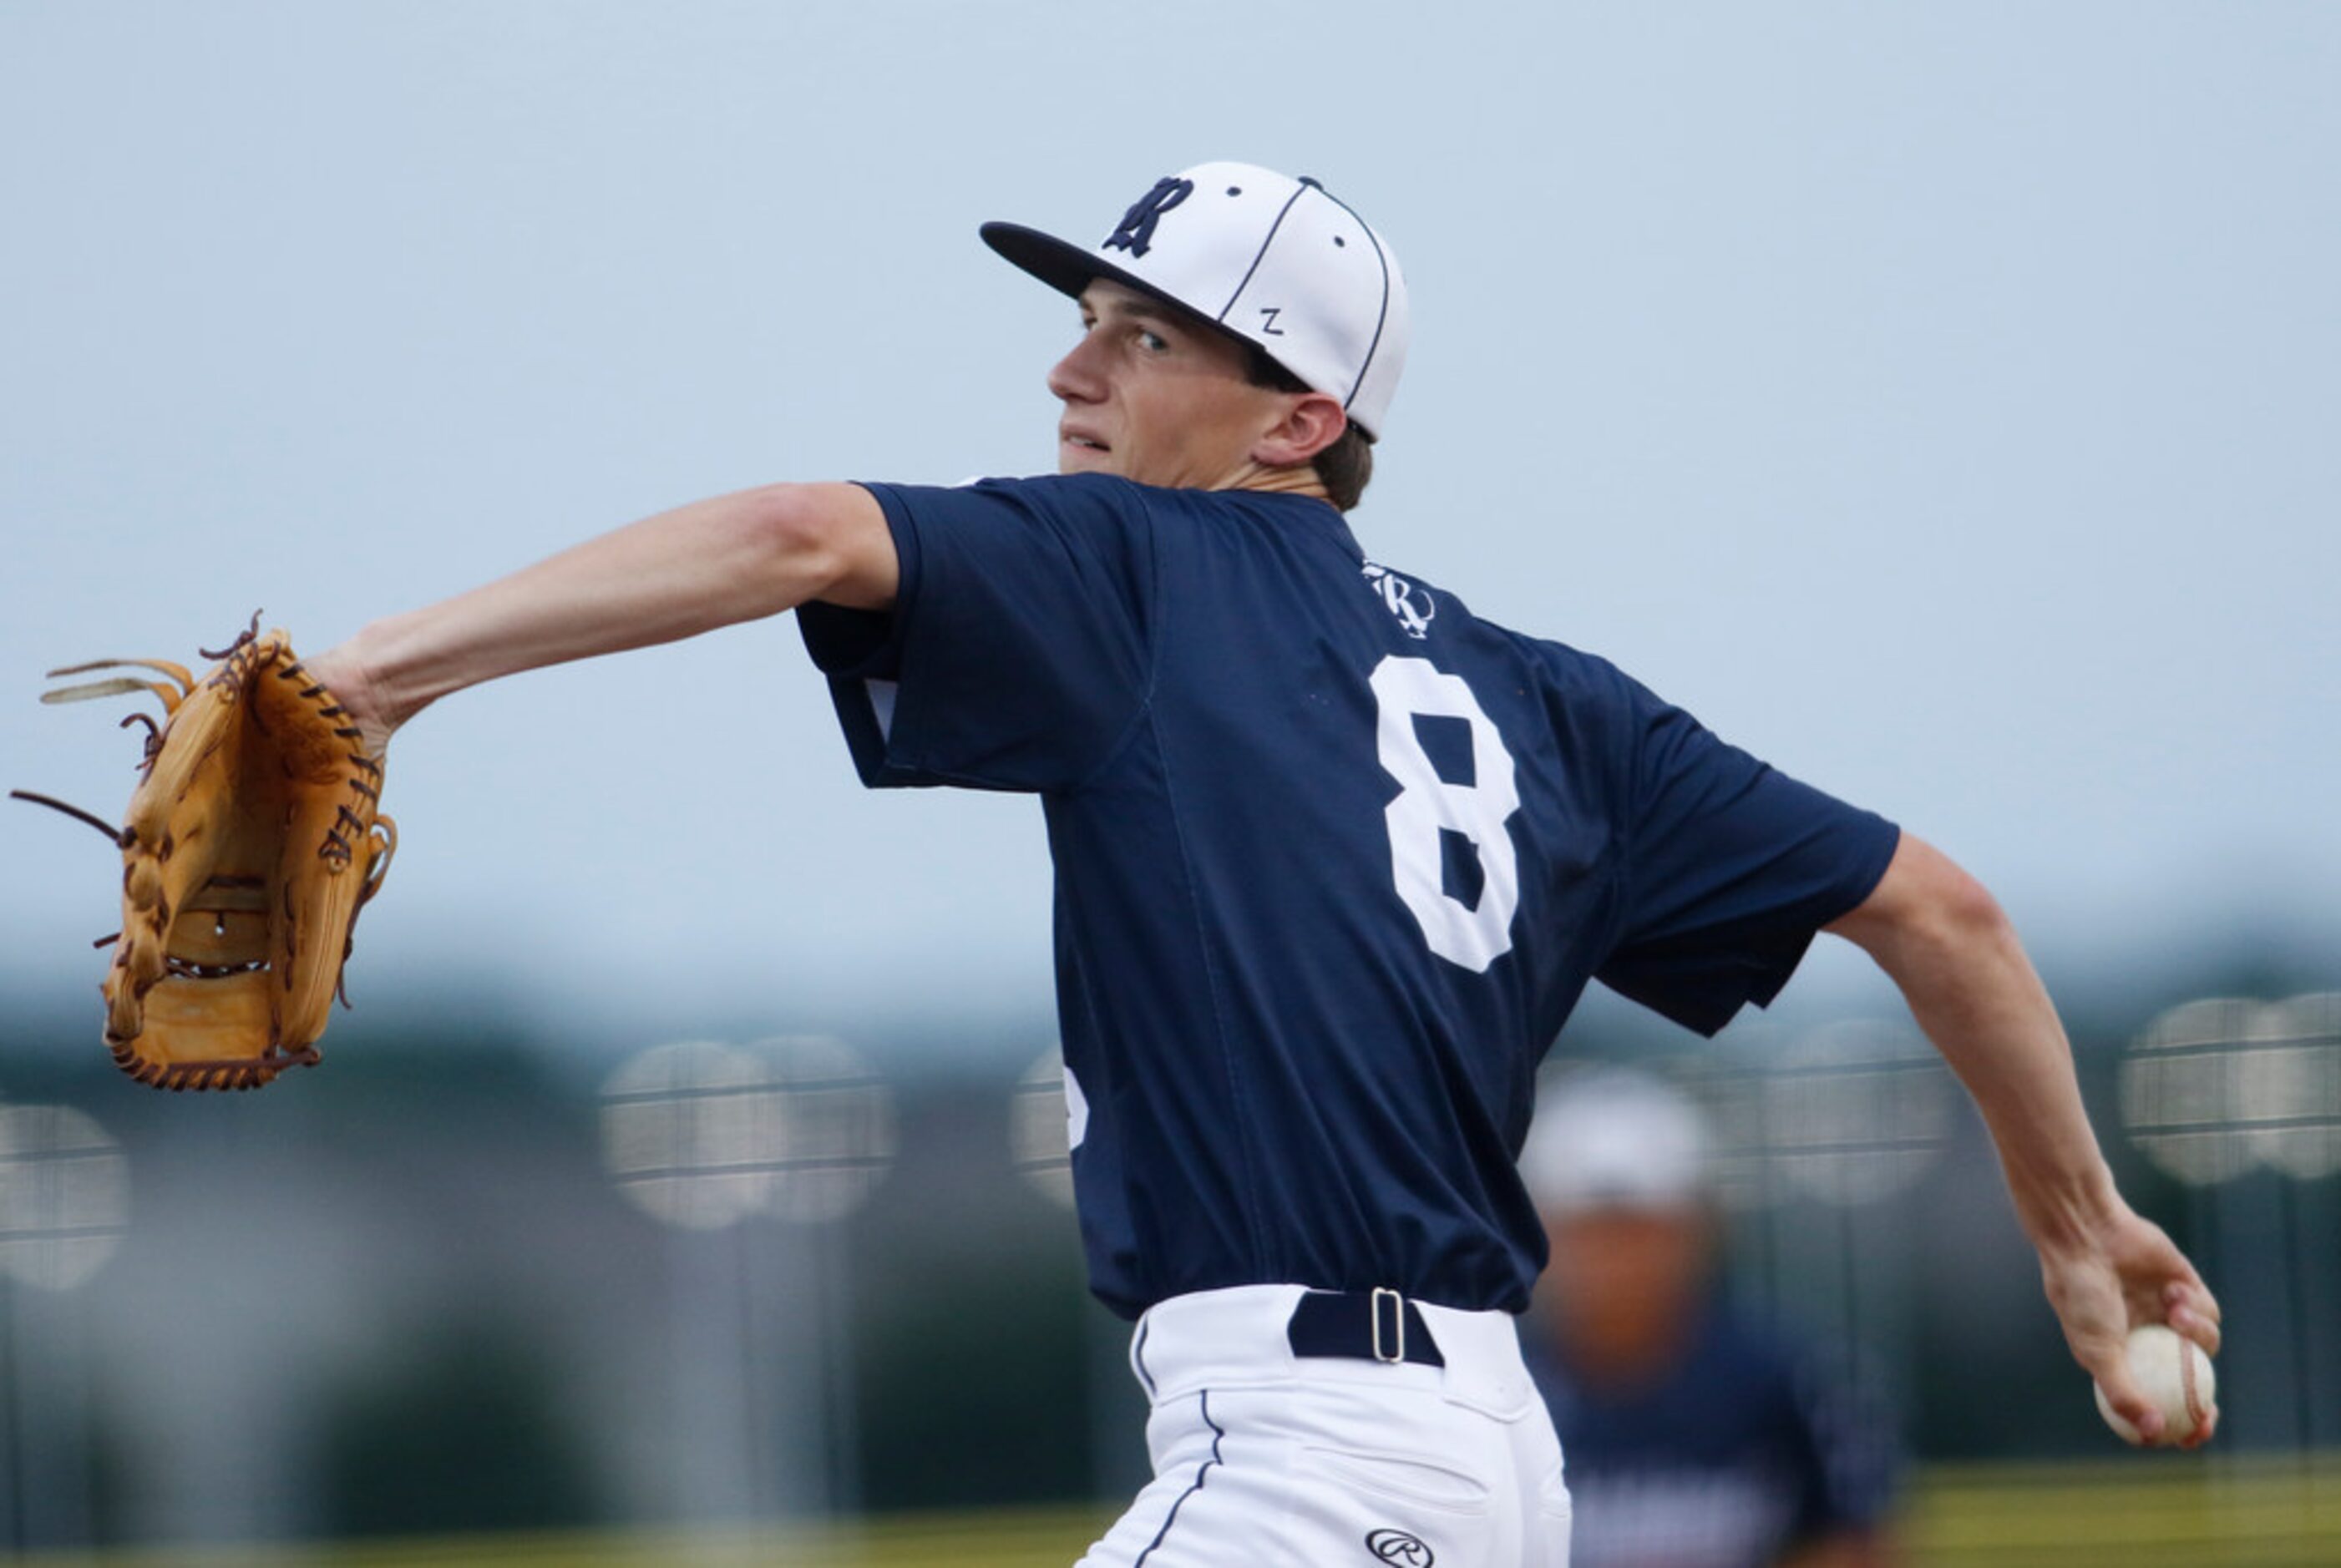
[(1264, 1458)]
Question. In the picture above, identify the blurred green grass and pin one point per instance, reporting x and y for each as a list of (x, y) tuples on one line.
[(2148, 1512), (2152, 1510)]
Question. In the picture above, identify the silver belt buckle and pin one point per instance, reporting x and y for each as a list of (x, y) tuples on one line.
[(1398, 1319)]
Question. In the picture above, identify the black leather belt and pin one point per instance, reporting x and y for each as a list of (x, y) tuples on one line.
[(1362, 1326)]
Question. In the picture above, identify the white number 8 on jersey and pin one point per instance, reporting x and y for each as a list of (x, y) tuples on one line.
[(1474, 936)]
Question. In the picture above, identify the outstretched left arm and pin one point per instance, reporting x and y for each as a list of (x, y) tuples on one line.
[(714, 562), (1947, 943)]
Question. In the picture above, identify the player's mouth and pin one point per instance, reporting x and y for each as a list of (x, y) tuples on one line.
[(1080, 440)]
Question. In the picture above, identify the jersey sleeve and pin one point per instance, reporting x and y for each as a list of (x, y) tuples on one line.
[(1729, 868), (1015, 656)]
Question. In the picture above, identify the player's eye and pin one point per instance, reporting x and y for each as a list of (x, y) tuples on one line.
[(1152, 343)]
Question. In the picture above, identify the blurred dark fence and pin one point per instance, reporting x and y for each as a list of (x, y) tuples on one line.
[(463, 1278)]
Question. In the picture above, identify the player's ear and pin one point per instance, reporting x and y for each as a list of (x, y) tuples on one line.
[(1310, 422)]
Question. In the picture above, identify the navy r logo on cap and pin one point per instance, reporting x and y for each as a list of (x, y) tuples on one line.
[(1135, 232)]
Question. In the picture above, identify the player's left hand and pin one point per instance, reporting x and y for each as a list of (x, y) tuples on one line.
[(2126, 1274), (346, 678)]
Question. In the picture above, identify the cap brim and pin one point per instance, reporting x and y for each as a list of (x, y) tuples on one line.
[(1064, 266)]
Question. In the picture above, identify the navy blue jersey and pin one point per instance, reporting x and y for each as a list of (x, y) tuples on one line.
[(1737, 1455), (1334, 859)]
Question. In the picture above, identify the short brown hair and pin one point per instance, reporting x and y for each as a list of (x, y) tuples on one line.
[(1346, 467)]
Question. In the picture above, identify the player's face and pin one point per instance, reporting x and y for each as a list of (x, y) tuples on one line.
[(1620, 1274), (1157, 398)]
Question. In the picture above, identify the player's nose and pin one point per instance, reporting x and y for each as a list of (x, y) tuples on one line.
[(1076, 377)]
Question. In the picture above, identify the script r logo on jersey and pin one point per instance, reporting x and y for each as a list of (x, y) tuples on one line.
[(1395, 1546), (1409, 602)]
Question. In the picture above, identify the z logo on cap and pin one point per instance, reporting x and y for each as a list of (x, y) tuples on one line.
[(1135, 232)]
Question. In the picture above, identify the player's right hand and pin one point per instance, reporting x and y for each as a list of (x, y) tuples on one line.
[(2127, 1274)]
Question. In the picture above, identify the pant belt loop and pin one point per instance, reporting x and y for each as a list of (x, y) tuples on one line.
[(1397, 1326)]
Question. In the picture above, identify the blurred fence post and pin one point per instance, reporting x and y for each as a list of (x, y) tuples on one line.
[(710, 1138)]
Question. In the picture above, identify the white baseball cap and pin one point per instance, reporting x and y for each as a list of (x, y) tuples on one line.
[(1276, 260), (1611, 1137)]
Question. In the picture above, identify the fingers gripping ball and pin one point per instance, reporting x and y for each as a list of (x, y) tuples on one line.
[(252, 841), (2172, 1371)]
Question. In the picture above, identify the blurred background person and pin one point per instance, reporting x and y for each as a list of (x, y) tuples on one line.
[(1694, 1437)]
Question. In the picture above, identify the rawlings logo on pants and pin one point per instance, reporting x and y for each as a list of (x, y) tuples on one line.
[(1397, 1546)]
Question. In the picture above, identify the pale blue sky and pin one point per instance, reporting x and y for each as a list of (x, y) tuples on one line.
[(1939, 399)]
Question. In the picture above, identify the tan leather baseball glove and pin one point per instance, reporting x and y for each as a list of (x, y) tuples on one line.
[(252, 841)]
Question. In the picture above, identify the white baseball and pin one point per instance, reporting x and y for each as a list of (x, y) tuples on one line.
[(2173, 1371)]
